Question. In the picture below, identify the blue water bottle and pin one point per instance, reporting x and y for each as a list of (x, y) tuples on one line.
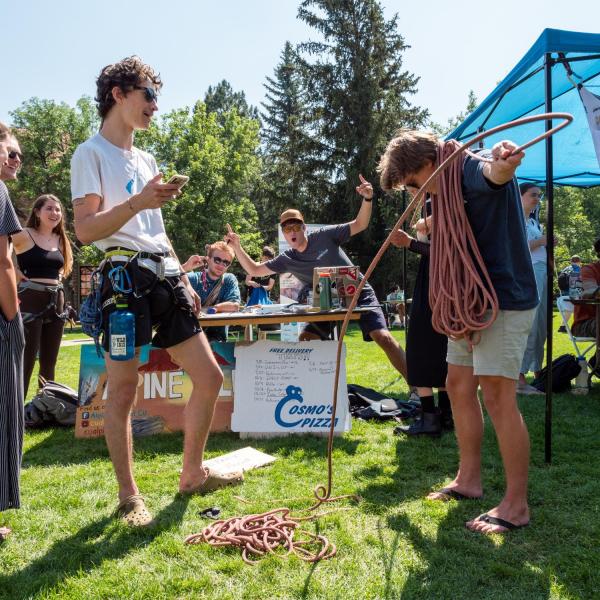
[(121, 331)]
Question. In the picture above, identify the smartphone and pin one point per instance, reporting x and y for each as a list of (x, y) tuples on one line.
[(178, 180)]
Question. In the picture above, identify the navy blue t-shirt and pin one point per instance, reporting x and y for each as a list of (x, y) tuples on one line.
[(496, 217)]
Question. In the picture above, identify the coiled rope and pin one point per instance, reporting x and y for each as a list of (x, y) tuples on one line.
[(262, 534)]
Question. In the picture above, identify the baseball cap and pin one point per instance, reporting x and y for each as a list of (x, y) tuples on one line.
[(291, 214)]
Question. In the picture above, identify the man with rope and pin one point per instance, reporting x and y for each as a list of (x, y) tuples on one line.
[(117, 195), (321, 248), (481, 270)]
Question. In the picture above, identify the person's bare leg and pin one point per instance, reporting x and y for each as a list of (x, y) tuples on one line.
[(386, 341), (461, 385), (499, 395), (122, 385), (195, 357)]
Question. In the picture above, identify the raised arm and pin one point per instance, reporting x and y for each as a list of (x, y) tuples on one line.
[(365, 189), (503, 166), (251, 267)]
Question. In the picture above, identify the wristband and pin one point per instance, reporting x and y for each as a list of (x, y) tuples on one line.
[(367, 199)]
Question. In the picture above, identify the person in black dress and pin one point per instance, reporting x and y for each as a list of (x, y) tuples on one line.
[(425, 350)]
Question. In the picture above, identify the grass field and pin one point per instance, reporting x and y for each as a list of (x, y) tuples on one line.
[(394, 544)]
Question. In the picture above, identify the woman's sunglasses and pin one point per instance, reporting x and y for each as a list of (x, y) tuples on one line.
[(13, 154), (221, 261), (150, 94)]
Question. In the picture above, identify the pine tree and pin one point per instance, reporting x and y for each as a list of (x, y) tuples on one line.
[(359, 95), (288, 149), (221, 99)]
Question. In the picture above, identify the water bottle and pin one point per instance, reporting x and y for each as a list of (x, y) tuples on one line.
[(581, 381), (575, 284), (324, 291), (121, 331)]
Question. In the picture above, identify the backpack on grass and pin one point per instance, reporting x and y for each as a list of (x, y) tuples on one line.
[(564, 369), (54, 404)]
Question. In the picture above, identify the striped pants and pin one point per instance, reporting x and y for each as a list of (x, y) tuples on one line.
[(12, 342)]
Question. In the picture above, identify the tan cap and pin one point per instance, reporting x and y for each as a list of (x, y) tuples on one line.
[(291, 214)]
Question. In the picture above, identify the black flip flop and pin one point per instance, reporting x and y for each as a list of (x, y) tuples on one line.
[(501, 522)]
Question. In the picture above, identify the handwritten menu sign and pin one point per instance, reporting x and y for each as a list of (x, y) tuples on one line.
[(281, 387)]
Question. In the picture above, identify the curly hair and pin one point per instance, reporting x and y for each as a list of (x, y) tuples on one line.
[(408, 152), (125, 74)]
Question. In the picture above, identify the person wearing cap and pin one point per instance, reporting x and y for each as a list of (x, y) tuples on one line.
[(321, 248)]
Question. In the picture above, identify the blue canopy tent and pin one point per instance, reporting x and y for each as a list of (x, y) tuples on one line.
[(545, 80)]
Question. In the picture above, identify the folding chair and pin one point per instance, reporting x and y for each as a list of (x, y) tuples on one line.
[(560, 304)]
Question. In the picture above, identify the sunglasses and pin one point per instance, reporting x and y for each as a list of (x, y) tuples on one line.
[(292, 227), (539, 196), (13, 154), (150, 94), (221, 261)]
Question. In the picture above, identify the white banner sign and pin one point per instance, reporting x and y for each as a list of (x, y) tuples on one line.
[(591, 102), (283, 387)]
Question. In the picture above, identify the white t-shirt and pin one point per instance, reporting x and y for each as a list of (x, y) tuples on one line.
[(99, 167), (534, 232)]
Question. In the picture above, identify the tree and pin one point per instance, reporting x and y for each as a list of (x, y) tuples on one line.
[(219, 153), (288, 149), (221, 99), (48, 133), (358, 94), (454, 122)]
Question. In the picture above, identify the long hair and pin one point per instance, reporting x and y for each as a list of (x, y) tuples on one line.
[(34, 222)]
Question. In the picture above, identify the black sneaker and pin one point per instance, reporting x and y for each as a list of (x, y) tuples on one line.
[(426, 424), (562, 329)]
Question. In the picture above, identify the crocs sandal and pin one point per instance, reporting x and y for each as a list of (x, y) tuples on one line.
[(4, 533), (215, 481), (133, 512)]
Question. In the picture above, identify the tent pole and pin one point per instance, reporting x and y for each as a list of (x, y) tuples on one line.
[(548, 63), (404, 290)]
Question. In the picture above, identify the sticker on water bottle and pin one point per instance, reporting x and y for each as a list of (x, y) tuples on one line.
[(118, 345)]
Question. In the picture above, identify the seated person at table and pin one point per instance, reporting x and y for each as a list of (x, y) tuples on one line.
[(321, 248), (216, 287), (584, 320), (396, 307), (259, 287)]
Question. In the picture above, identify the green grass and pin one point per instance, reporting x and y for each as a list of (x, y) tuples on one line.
[(393, 544)]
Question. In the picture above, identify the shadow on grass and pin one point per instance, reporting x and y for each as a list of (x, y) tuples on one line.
[(99, 541), (58, 446)]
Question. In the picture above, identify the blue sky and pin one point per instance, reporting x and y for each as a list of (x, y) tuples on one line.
[(55, 49)]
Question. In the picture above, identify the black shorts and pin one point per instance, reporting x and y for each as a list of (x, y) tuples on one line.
[(165, 306), (369, 321)]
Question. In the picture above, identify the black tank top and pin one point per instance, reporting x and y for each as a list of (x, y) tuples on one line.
[(39, 263)]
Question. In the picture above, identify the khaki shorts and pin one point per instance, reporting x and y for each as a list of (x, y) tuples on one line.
[(501, 348)]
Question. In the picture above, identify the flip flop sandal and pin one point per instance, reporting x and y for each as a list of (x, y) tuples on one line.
[(216, 481), (501, 522), (452, 494), (4, 533), (133, 512)]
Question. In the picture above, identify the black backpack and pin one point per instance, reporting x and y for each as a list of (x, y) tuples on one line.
[(564, 369), (54, 404), (563, 279)]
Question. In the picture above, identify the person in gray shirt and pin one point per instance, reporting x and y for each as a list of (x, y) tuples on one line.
[(321, 248)]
